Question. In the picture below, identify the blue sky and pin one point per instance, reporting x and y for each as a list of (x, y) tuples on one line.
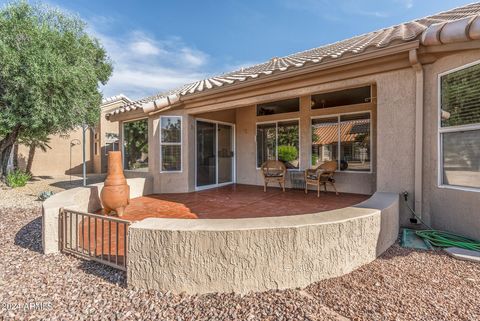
[(158, 45)]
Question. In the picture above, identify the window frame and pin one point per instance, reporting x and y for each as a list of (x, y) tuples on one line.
[(122, 141), (338, 115), (282, 113), (161, 144), (450, 129), (372, 97), (276, 141)]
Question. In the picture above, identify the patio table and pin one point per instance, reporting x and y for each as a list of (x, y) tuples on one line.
[(297, 179)]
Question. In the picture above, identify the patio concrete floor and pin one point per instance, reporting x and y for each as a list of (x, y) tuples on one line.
[(232, 201), (237, 201)]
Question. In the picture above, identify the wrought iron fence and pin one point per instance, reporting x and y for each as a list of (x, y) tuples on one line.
[(95, 237)]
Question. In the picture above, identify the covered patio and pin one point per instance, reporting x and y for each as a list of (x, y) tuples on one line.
[(237, 201)]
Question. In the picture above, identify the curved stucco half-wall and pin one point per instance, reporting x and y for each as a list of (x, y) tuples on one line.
[(83, 199), (254, 254)]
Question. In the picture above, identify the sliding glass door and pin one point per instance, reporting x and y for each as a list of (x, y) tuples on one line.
[(215, 154)]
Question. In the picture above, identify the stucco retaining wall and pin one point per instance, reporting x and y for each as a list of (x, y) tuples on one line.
[(84, 199), (241, 255)]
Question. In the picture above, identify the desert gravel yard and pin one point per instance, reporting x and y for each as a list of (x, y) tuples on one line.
[(400, 285)]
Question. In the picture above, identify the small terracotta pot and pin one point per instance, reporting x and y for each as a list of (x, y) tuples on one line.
[(115, 194)]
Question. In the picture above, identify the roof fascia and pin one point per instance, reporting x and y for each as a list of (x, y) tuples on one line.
[(391, 50)]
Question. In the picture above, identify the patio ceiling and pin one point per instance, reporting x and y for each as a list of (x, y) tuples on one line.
[(456, 25)]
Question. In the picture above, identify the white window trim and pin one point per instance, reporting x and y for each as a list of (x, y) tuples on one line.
[(122, 141), (171, 144), (450, 129), (276, 140), (339, 145)]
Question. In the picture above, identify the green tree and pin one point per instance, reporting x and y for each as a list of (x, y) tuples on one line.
[(136, 142), (50, 73)]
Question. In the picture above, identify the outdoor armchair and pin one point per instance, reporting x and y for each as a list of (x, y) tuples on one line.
[(322, 175), (273, 171)]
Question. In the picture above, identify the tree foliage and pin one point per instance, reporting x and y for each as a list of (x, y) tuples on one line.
[(136, 142), (50, 73)]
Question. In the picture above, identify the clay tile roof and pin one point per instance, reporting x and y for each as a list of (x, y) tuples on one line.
[(349, 131), (400, 33), (115, 98)]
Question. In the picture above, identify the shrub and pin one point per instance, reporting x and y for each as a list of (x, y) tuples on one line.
[(18, 178), (44, 195), (287, 153)]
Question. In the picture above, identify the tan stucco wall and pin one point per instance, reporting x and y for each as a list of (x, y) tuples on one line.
[(226, 116), (242, 255), (56, 161), (392, 140), (446, 209), (174, 182), (103, 128), (392, 137)]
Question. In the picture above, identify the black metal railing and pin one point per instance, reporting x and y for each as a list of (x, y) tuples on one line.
[(95, 237)]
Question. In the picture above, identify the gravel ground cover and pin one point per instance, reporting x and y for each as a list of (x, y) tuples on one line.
[(400, 285), (27, 196)]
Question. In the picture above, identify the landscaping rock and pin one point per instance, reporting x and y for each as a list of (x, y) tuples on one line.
[(402, 284)]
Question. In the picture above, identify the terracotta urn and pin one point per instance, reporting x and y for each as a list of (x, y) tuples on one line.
[(115, 194)]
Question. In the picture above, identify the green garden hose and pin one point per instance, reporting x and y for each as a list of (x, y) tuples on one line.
[(445, 239), (440, 238)]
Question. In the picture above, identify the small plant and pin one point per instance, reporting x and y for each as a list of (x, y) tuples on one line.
[(287, 153), (44, 195), (18, 178)]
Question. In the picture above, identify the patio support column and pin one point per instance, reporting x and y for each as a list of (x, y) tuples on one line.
[(419, 79)]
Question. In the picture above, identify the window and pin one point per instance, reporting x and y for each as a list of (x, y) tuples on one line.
[(459, 127), (135, 145), (278, 141), (344, 97), (279, 107), (96, 142), (171, 143), (111, 142), (342, 138)]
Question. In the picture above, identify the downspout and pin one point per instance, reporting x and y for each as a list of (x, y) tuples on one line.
[(419, 81)]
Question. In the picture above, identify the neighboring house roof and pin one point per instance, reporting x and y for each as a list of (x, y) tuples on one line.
[(460, 24), (116, 98), (349, 131)]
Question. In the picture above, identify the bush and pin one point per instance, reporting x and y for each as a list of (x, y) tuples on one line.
[(287, 153), (18, 178), (44, 195)]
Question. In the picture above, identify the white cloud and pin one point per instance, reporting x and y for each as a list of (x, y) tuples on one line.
[(144, 48), (194, 57), (144, 65)]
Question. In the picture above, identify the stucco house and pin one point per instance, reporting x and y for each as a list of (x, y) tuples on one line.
[(397, 108), (64, 153)]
